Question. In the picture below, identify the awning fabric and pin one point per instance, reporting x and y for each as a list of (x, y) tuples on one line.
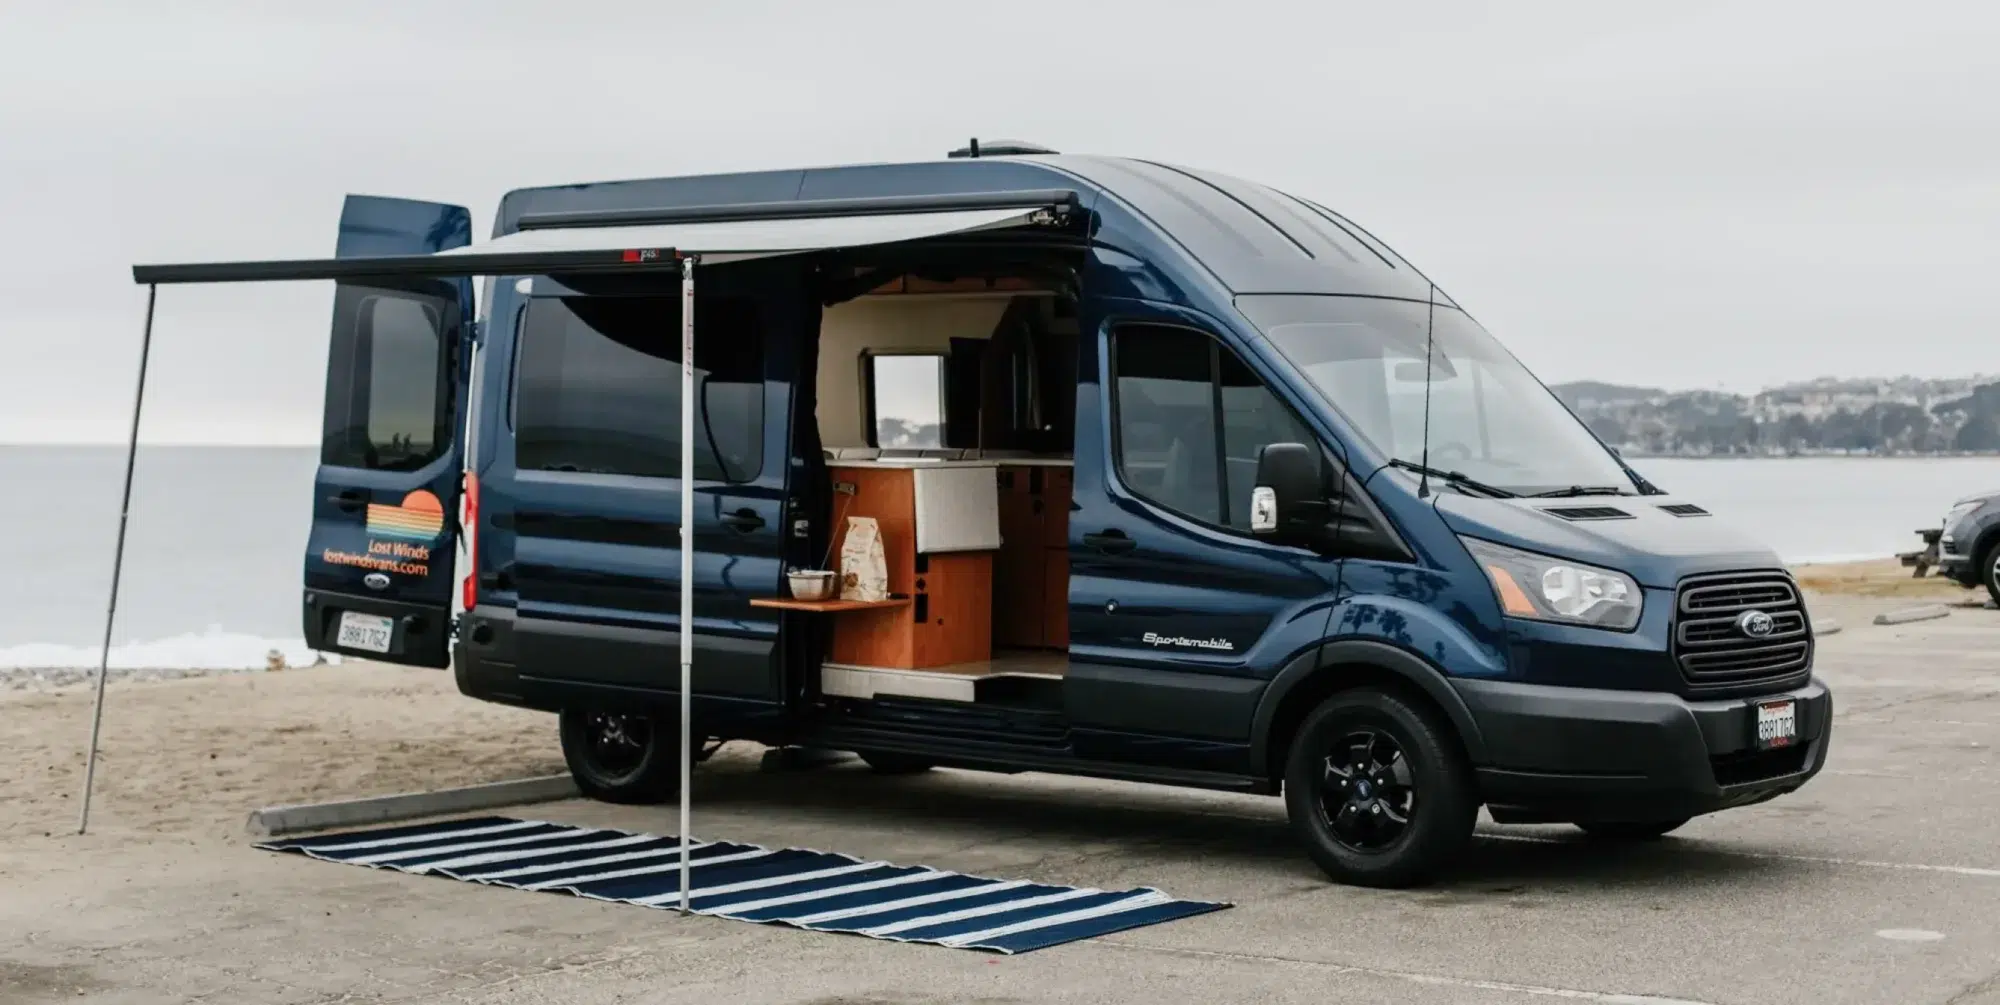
[(629, 248)]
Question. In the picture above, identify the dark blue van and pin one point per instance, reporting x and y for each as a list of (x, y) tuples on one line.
[(1180, 479)]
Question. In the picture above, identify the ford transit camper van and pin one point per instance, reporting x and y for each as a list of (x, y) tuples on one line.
[(1172, 478)]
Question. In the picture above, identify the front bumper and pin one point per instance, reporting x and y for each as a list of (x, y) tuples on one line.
[(1583, 754)]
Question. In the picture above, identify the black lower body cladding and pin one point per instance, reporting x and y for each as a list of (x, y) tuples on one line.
[(1580, 754)]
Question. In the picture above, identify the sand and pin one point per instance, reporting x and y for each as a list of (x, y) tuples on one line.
[(192, 757), (1885, 577)]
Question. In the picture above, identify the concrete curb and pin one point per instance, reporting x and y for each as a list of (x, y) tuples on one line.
[(1904, 616), (273, 821), (1825, 626)]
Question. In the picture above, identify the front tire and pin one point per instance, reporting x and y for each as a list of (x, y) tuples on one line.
[(1990, 571), (621, 757), (1379, 791), (1631, 831)]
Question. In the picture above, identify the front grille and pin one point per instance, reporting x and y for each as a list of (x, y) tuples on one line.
[(1746, 766), (1717, 657)]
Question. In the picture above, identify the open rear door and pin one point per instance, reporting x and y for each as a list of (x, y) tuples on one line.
[(380, 558)]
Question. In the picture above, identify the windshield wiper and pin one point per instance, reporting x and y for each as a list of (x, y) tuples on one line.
[(1452, 477), (1580, 490)]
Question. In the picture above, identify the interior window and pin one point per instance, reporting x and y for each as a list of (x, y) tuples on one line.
[(1191, 419), (598, 387), (906, 400), (388, 404)]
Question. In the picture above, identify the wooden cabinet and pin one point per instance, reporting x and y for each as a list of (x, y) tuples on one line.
[(1031, 570), (949, 618)]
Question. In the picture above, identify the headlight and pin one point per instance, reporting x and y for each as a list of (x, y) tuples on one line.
[(1959, 512), (1542, 588)]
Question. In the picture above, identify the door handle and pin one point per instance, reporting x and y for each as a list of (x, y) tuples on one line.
[(743, 521), (348, 500), (1110, 542)]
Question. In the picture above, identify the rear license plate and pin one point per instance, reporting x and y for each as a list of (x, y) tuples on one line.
[(1777, 724), (366, 632)]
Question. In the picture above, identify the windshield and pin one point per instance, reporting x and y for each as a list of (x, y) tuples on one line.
[(1490, 419)]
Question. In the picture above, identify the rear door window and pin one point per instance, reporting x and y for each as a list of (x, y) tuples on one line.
[(388, 396), (598, 388)]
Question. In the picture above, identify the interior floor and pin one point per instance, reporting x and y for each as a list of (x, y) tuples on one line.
[(954, 682)]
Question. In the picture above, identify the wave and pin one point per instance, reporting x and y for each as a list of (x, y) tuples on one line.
[(213, 649)]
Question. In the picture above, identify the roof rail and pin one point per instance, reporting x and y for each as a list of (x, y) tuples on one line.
[(998, 148), (1060, 200)]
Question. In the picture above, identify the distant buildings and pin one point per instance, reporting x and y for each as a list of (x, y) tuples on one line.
[(1870, 416)]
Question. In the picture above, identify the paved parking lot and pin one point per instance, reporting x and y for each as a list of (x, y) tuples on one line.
[(1880, 882)]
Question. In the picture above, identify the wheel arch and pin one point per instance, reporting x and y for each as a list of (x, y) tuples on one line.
[(1341, 664)]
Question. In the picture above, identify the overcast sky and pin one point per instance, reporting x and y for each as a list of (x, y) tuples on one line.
[(1676, 194)]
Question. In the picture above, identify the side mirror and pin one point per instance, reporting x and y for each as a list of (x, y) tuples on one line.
[(1288, 505)]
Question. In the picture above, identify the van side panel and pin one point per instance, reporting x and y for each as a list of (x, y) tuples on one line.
[(1176, 627), (590, 561)]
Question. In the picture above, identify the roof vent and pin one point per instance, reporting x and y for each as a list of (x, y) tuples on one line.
[(1684, 509), (998, 148), (1588, 512)]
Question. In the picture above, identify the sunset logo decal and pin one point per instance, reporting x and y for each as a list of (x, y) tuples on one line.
[(419, 518)]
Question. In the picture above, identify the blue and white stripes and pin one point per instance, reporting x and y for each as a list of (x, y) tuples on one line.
[(815, 890)]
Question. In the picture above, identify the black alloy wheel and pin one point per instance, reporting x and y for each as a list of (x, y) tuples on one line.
[(1379, 790), (620, 757), (1367, 791)]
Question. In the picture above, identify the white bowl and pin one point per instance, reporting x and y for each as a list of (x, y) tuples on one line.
[(811, 585)]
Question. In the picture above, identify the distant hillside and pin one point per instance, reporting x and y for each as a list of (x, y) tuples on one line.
[(1893, 415)]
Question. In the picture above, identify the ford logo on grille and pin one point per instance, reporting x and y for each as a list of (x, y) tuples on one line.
[(379, 581), (1755, 624)]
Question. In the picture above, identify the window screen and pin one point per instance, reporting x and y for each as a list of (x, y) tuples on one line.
[(388, 398), (598, 387)]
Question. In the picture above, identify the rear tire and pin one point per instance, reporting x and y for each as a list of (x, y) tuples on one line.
[(883, 763), (1631, 831), (1378, 790), (621, 757)]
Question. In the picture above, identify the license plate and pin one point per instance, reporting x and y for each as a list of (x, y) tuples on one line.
[(366, 632), (1777, 724)]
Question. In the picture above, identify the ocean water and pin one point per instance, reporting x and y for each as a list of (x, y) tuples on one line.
[(217, 539)]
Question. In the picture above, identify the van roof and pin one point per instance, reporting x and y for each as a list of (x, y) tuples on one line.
[(1251, 238)]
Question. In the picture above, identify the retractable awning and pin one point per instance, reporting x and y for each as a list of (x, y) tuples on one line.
[(639, 240), (660, 241)]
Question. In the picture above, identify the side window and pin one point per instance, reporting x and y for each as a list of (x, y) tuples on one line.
[(597, 387), (1190, 419), (1252, 418), (388, 398), (1166, 419), (905, 400)]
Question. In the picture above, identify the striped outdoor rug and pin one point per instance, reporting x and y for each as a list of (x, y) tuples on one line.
[(814, 890)]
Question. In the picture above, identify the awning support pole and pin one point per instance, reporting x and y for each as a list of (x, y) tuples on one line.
[(117, 563), (687, 560)]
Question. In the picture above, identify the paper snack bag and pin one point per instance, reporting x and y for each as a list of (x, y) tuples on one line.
[(864, 573)]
